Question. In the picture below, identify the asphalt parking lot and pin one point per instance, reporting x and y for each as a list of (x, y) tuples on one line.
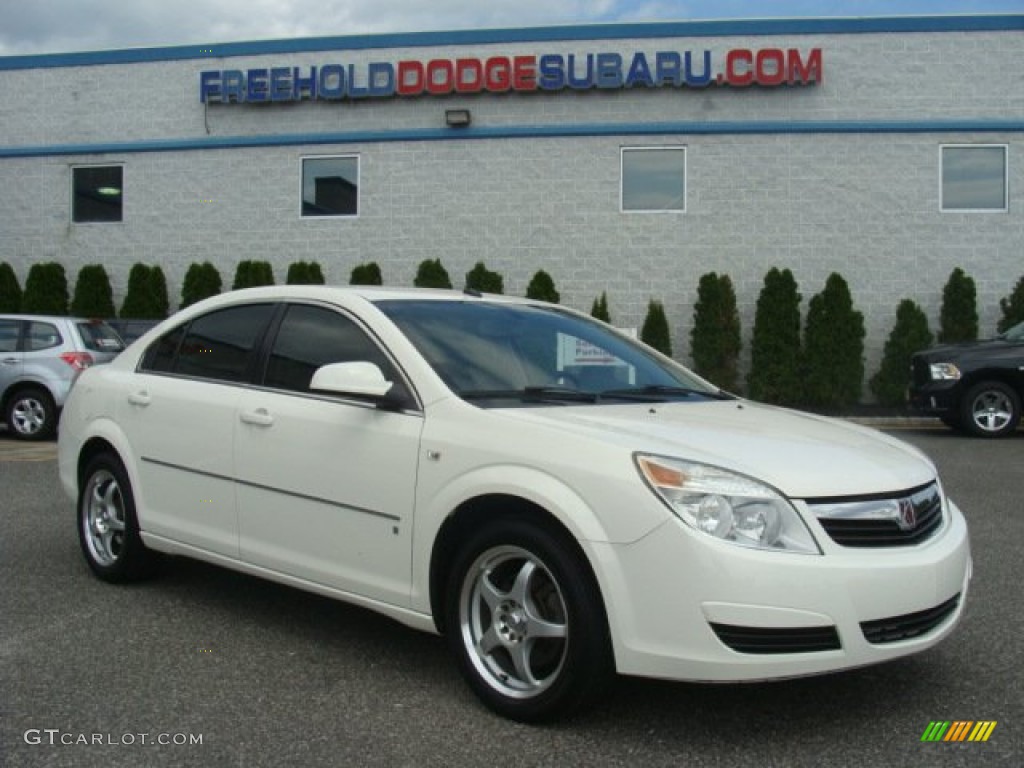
[(262, 675)]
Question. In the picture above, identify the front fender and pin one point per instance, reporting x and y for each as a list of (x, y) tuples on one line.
[(544, 490)]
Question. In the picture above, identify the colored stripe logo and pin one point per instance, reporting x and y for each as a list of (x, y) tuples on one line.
[(959, 730)]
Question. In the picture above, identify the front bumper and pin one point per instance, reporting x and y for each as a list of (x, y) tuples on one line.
[(934, 398), (685, 608)]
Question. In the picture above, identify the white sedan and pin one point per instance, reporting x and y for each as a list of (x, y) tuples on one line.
[(558, 500)]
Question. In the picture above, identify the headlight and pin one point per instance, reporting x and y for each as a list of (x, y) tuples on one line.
[(944, 372), (726, 505)]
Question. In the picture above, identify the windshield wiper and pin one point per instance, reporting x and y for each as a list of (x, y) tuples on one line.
[(530, 394), (660, 392)]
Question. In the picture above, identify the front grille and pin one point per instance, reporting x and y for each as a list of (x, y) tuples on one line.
[(911, 625), (777, 639), (901, 520), (921, 370)]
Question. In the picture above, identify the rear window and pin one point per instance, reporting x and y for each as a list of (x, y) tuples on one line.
[(100, 337)]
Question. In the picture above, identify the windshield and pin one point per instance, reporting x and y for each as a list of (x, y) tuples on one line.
[(1016, 333), (495, 353)]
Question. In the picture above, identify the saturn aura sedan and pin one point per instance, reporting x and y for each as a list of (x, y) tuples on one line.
[(559, 501)]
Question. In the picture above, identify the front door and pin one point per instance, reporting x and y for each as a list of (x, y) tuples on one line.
[(325, 485)]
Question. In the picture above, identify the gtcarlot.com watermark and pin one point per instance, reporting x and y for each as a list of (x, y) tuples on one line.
[(55, 737)]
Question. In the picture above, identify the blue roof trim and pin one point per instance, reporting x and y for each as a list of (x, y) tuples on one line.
[(522, 132), (616, 31)]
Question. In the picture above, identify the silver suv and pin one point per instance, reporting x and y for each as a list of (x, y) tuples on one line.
[(40, 358)]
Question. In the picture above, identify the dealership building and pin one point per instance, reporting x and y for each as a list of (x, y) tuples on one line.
[(623, 158)]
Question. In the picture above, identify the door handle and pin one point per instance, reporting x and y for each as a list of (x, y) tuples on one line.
[(9, 360), (140, 398), (259, 418)]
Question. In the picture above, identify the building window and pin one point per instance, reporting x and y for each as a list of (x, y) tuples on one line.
[(974, 177), (97, 194), (653, 179), (330, 186)]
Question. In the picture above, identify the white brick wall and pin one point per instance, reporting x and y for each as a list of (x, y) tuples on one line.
[(863, 204)]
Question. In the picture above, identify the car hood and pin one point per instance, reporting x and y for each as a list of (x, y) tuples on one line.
[(802, 455), (972, 350)]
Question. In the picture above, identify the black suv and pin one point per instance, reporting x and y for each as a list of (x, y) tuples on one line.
[(976, 386)]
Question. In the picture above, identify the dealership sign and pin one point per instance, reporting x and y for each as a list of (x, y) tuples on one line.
[(740, 67)]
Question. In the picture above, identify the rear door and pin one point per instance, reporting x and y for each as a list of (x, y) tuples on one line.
[(179, 415), (10, 353)]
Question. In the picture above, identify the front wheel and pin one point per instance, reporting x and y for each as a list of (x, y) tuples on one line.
[(108, 529), (990, 409), (526, 622)]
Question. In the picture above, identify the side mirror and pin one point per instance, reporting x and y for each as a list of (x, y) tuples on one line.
[(357, 379)]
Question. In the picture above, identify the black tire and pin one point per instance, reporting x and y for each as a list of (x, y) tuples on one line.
[(31, 414), (525, 620), (108, 528), (990, 409)]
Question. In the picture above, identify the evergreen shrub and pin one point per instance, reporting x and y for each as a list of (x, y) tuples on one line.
[(480, 278), (542, 288), (833, 352), (655, 332), (958, 319), (715, 338), (10, 289), (93, 295), (46, 290), (201, 282), (910, 334), (432, 274), (774, 375)]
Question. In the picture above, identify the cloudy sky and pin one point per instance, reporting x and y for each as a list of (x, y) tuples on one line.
[(56, 26)]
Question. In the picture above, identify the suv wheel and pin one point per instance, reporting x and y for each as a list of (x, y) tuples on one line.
[(31, 414), (990, 409)]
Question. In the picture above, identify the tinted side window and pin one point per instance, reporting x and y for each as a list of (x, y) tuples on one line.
[(42, 336), (9, 330), (221, 345), (310, 337), (159, 357)]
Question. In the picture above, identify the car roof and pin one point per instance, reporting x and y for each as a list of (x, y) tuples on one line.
[(370, 293), (52, 318)]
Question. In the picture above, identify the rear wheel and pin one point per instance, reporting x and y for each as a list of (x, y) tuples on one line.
[(525, 620), (990, 409), (108, 529), (31, 414)]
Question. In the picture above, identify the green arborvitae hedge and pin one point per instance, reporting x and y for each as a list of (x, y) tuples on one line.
[(252, 274), (46, 290), (481, 279), (715, 338), (1013, 308), (599, 309), (958, 319), (366, 274), (432, 274), (909, 335), (93, 295), (146, 297), (833, 348), (10, 289), (542, 288), (304, 273), (775, 344), (655, 332), (201, 282)]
